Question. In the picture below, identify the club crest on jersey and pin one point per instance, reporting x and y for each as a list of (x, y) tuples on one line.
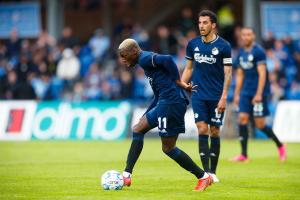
[(215, 51), (250, 57)]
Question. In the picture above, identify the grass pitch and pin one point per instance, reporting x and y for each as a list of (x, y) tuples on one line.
[(71, 170)]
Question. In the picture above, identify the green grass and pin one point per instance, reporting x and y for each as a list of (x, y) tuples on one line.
[(71, 170)]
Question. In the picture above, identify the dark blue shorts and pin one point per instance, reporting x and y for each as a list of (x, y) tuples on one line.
[(257, 110), (168, 117), (206, 110)]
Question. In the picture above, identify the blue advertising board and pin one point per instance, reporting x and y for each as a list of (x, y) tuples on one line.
[(25, 17), (281, 18)]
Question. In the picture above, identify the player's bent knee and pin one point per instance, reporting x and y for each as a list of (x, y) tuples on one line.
[(203, 131), (214, 131), (243, 119), (141, 127), (167, 148)]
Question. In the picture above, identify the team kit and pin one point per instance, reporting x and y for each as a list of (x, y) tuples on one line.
[(206, 78)]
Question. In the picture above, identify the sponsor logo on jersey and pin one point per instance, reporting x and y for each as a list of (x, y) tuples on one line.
[(204, 58), (245, 64)]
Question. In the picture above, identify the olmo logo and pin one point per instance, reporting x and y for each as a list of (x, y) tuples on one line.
[(88, 121)]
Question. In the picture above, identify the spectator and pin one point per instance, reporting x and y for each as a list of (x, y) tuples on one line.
[(68, 40), (13, 45), (69, 66), (167, 43), (99, 44), (92, 83)]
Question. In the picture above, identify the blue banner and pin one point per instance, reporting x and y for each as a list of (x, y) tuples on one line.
[(281, 18), (25, 17)]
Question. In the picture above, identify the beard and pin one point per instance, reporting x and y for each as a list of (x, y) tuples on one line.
[(205, 34)]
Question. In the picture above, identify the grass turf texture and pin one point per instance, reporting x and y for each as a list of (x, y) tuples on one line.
[(71, 170)]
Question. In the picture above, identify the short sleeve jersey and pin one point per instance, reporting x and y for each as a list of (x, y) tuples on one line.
[(248, 61), (208, 66), (163, 86)]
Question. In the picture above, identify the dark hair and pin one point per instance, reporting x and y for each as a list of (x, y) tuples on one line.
[(210, 14), (250, 28)]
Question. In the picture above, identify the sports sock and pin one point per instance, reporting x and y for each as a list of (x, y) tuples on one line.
[(204, 151), (134, 151), (269, 132), (185, 162), (214, 153), (243, 131)]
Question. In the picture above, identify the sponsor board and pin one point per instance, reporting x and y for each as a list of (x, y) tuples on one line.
[(15, 119), (286, 123), (64, 121)]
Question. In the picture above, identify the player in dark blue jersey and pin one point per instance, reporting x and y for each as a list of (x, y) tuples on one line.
[(209, 66), (166, 112), (251, 92)]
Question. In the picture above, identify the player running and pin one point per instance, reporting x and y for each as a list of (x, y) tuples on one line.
[(209, 65), (167, 110), (251, 92)]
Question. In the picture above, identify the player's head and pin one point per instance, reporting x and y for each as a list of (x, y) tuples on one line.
[(247, 36), (129, 51), (207, 22)]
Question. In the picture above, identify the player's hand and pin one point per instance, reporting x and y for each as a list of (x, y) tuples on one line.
[(187, 86), (257, 99), (221, 105)]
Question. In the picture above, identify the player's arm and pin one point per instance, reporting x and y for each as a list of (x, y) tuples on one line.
[(227, 62), (238, 86), (227, 81), (262, 75), (167, 62), (188, 71)]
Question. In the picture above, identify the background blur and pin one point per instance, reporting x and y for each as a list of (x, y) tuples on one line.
[(61, 55)]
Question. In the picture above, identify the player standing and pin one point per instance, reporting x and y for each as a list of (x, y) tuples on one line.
[(251, 92), (209, 66), (167, 111)]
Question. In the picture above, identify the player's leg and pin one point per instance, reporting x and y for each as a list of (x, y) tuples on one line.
[(260, 111), (245, 107), (214, 150), (179, 156), (147, 122), (201, 111), (215, 121), (182, 159), (170, 124)]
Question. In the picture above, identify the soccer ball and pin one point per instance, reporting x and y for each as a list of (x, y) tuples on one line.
[(112, 180)]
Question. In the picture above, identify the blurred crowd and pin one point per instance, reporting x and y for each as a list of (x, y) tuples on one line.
[(72, 70)]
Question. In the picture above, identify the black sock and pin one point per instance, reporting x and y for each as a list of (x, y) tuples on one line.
[(204, 151), (134, 151), (269, 132), (185, 162), (243, 130), (214, 153)]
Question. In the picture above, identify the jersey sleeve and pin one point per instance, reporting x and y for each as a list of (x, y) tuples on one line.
[(227, 60), (189, 52), (236, 61), (166, 62), (260, 57)]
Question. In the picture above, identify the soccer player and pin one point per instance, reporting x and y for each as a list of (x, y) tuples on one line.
[(166, 112), (251, 92), (209, 66)]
